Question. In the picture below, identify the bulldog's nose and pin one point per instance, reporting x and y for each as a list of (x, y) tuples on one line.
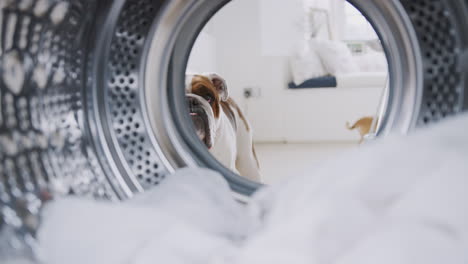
[(192, 102)]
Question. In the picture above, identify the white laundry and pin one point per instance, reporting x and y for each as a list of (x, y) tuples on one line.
[(397, 200), (188, 219)]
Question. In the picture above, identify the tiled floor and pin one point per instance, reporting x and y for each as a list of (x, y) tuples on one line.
[(279, 160)]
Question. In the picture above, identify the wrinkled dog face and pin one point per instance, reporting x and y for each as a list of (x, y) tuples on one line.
[(204, 94)]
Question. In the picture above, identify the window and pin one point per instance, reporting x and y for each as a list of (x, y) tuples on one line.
[(356, 26)]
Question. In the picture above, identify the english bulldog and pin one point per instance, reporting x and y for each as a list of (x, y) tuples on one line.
[(221, 125)]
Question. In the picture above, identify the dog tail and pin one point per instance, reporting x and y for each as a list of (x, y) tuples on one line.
[(349, 126)]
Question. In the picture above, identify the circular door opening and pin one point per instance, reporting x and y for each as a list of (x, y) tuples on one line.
[(408, 68)]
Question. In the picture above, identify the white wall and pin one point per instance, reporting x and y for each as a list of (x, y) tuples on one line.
[(203, 55), (279, 39), (237, 32), (248, 53)]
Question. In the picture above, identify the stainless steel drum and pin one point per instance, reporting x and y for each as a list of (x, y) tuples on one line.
[(92, 92)]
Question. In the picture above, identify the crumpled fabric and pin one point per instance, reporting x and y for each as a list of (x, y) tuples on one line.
[(402, 199)]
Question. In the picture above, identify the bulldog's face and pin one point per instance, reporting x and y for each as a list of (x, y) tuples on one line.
[(204, 94)]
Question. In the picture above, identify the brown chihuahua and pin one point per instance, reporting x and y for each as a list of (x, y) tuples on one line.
[(364, 126)]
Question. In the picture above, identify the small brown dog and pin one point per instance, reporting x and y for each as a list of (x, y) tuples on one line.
[(364, 126)]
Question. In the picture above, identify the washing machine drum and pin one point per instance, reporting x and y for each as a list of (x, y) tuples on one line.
[(92, 92)]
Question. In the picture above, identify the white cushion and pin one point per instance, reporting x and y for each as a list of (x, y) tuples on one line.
[(335, 55), (372, 61), (306, 65)]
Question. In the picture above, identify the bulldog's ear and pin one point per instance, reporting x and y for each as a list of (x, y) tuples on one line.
[(220, 85)]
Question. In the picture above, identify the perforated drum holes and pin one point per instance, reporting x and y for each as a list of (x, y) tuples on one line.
[(24, 32), (58, 12), (124, 92), (42, 144), (10, 23), (441, 46), (25, 5), (41, 7), (13, 71)]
